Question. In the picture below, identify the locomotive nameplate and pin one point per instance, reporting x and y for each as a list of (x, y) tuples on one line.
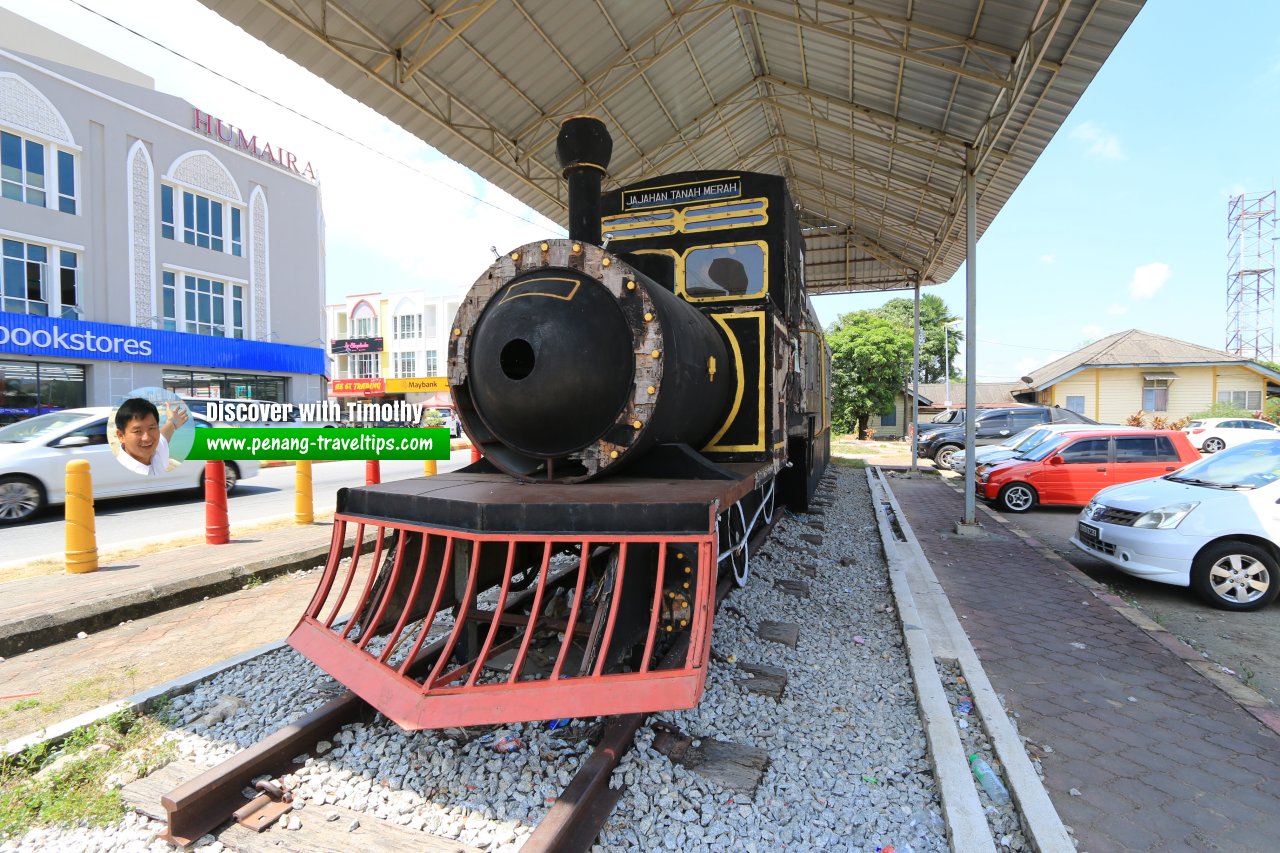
[(687, 193)]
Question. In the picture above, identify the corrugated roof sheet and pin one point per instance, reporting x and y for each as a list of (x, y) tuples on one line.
[(868, 107)]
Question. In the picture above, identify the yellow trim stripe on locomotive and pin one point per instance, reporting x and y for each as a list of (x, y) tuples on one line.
[(667, 221), (738, 391), (722, 320), (573, 291)]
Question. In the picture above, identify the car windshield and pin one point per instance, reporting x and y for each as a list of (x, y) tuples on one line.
[(1028, 438), (38, 427), (1245, 466), (1045, 448), (950, 416)]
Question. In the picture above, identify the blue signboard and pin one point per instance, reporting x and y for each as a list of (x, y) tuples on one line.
[(27, 334)]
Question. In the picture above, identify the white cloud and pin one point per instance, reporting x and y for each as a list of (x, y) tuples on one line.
[(1115, 309), (1047, 259), (1148, 279), (1102, 143)]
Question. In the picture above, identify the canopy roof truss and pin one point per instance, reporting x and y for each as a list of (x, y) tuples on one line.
[(873, 109)]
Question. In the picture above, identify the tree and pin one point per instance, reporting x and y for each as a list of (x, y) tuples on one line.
[(934, 313), (870, 354)]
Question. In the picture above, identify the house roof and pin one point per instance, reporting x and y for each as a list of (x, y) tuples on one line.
[(1136, 348), (988, 393)]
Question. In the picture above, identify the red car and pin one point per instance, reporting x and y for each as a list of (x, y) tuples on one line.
[(1072, 469)]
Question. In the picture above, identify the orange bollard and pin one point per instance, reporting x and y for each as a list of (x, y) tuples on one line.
[(475, 453), (428, 467), (372, 472), (217, 530), (81, 535)]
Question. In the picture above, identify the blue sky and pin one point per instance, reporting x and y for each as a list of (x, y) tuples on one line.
[(1121, 223)]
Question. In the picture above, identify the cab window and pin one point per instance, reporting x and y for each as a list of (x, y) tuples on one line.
[(713, 272)]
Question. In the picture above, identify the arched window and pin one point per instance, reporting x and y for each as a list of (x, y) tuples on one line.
[(38, 156), (200, 204), (407, 322), (364, 321)]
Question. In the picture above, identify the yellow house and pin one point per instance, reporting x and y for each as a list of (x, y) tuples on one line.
[(1136, 371)]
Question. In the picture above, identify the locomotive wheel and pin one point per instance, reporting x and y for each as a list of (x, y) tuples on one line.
[(735, 535)]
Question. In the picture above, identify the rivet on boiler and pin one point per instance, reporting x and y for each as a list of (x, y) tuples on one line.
[(631, 285), (652, 390), (613, 454), (577, 248), (648, 318), (544, 246), (637, 424), (604, 262), (457, 332), (656, 354), (515, 256)]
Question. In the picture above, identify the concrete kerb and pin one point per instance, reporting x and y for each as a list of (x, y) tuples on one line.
[(962, 809), (909, 567), (46, 629), (1260, 707), (142, 701)]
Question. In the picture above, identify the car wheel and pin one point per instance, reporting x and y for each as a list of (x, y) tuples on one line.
[(230, 473), (1017, 497), (1235, 575), (20, 499), (944, 454), (1213, 445)]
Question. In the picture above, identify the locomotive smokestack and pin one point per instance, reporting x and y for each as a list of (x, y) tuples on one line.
[(584, 148)]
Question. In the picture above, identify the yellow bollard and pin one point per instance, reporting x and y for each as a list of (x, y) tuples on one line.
[(82, 538), (428, 467), (303, 510)]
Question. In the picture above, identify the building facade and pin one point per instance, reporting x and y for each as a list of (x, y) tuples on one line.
[(147, 243), (391, 345)]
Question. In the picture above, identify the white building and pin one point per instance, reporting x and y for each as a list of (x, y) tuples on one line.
[(145, 242), (392, 345)]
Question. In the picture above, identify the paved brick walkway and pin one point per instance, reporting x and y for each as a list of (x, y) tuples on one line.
[(1182, 768)]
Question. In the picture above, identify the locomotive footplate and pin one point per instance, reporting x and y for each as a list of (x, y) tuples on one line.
[(542, 601)]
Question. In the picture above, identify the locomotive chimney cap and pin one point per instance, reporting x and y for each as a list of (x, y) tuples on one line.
[(583, 142)]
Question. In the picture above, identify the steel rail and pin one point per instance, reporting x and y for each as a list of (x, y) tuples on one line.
[(199, 805)]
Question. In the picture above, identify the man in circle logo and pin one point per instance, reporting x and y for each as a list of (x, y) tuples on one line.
[(144, 444)]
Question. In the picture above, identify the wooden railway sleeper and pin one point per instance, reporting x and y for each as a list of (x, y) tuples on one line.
[(273, 803)]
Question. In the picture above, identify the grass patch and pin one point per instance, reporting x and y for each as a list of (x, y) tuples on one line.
[(69, 784), (847, 462)]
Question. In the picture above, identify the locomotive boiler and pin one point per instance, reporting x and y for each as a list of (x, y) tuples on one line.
[(643, 393)]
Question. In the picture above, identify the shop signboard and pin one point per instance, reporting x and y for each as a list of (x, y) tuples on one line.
[(53, 337), (357, 387), (355, 345), (418, 385)]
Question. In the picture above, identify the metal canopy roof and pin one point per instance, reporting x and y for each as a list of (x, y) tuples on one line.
[(869, 108)]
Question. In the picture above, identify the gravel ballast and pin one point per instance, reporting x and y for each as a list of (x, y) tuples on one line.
[(848, 765)]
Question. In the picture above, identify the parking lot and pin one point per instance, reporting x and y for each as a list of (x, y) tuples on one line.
[(1247, 643)]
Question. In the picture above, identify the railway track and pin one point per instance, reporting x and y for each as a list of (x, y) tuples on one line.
[(199, 806)]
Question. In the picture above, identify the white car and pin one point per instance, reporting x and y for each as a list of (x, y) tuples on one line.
[(1213, 434), (1212, 525), (34, 454)]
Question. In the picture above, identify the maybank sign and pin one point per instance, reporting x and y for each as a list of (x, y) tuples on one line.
[(27, 334)]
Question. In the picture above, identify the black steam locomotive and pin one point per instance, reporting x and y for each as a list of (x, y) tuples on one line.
[(643, 392)]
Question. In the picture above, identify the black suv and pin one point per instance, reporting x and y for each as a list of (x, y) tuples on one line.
[(993, 426)]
